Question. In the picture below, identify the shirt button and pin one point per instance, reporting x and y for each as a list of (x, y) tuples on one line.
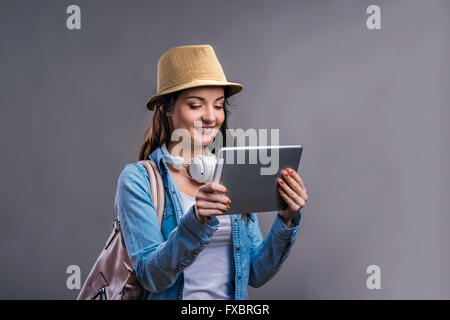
[(237, 249), (235, 219), (210, 235), (239, 277)]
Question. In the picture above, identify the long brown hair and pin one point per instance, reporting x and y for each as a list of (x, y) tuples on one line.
[(159, 130)]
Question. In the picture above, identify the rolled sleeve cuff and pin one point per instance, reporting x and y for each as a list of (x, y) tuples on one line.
[(284, 233), (202, 231)]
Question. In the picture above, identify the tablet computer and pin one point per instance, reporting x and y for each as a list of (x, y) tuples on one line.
[(250, 174)]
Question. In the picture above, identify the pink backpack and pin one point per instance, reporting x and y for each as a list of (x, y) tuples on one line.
[(113, 276)]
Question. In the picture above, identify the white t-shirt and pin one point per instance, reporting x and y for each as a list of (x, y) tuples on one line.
[(211, 275)]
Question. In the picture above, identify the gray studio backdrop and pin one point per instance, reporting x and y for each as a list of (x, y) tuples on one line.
[(371, 108)]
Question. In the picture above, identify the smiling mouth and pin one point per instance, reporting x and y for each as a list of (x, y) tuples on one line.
[(204, 130)]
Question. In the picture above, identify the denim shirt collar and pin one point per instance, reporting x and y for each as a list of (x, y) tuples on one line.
[(160, 156)]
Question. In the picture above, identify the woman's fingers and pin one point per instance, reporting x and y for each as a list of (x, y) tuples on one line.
[(295, 182), (213, 187), (204, 211), (213, 197), (202, 204), (213, 192), (291, 193), (297, 178), (293, 206), (210, 200), (209, 212)]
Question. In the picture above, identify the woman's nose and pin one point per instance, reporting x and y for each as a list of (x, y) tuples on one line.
[(209, 115)]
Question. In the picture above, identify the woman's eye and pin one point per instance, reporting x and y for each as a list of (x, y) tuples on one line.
[(219, 107), (194, 106)]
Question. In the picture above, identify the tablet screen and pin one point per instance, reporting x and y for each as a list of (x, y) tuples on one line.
[(250, 175)]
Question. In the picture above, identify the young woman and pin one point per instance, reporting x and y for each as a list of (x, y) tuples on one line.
[(198, 253)]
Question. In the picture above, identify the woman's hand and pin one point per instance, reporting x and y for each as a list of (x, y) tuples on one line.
[(211, 200), (293, 191)]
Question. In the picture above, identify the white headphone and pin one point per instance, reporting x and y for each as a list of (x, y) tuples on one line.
[(201, 167)]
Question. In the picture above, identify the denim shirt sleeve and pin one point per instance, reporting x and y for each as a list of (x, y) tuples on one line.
[(267, 255), (157, 262)]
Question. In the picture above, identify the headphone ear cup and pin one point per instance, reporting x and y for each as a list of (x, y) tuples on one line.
[(197, 169), (210, 166), (202, 168)]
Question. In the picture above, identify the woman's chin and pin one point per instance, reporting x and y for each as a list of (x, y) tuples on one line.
[(204, 141)]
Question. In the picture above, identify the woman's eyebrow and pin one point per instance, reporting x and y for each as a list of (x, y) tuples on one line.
[(203, 99)]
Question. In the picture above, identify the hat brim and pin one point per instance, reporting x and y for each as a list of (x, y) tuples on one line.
[(234, 88)]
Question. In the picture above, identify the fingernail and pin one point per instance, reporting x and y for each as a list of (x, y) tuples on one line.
[(281, 181), (285, 174), (229, 201), (228, 207), (291, 171), (226, 190)]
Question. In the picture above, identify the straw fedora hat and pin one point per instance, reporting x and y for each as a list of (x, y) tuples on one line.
[(188, 67)]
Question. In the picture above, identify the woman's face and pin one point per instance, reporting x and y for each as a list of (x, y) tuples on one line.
[(201, 112)]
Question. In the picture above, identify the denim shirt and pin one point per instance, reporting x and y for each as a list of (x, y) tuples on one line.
[(159, 255)]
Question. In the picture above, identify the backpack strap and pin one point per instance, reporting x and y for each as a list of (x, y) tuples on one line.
[(156, 187)]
